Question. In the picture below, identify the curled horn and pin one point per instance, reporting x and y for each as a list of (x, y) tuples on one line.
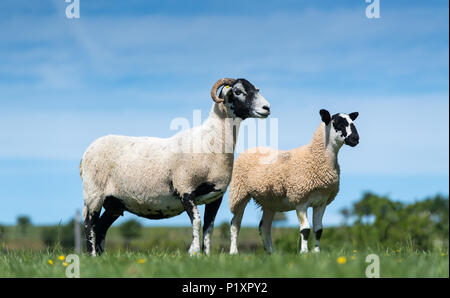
[(217, 85)]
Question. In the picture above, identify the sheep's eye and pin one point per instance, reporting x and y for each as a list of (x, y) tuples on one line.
[(237, 92)]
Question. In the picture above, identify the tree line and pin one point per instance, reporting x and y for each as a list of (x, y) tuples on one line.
[(372, 221)]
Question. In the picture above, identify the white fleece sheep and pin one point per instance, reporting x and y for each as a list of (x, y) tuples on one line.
[(300, 178), (160, 178)]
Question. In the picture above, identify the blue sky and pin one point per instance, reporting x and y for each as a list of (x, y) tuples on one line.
[(131, 67)]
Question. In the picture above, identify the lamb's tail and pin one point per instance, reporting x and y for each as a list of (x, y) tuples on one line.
[(238, 192)]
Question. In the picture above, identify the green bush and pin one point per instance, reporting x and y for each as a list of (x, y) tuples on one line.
[(130, 230)]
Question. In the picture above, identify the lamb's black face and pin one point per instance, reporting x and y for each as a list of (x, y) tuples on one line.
[(343, 124), (343, 128), (245, 101)]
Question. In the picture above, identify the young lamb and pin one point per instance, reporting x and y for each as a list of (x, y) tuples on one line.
[(160, 178), (304, 177)]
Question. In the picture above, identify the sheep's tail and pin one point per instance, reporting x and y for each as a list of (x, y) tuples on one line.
[(81, 169), (85, 213)]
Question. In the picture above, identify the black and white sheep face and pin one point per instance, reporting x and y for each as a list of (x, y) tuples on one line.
[(342, 129), (243, 100)]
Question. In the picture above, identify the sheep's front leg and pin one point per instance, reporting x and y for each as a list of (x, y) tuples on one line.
[(317, 225), (304, 226), (265, 229), (191, 208), (208, 226)]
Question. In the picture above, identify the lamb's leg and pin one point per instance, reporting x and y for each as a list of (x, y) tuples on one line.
[(189, 206), (236, 226), (208, 225), (265, 229), (304, 226), (90, 221), (317, 225)]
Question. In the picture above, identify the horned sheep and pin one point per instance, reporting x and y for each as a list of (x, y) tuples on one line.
[(160, 178)]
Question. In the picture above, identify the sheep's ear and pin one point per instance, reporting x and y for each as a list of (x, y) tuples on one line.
[(326, 117), (353, 115), (224, 91)]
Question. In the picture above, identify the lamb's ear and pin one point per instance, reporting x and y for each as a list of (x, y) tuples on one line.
[(353, 115), (326, 117)]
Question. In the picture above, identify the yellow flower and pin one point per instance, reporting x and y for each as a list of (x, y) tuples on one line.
[(355, 251), (141, 261), (353, 257), (398, 250), (341, 260), (61, 258), (50, 262), (65, 264), (443, 254)]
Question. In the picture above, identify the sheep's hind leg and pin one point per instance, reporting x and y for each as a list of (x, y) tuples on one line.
[(105, 221), (208, 225), (188, 201), (265, 229), (113, 210), (90, 222), (304, 226)]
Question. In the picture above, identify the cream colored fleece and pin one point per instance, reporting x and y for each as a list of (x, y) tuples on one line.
[(289, 181)]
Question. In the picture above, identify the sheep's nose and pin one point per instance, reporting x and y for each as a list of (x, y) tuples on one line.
[(267, 108)]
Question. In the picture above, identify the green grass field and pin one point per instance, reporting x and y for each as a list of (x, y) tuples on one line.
[(162, 252), (336, 263)]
